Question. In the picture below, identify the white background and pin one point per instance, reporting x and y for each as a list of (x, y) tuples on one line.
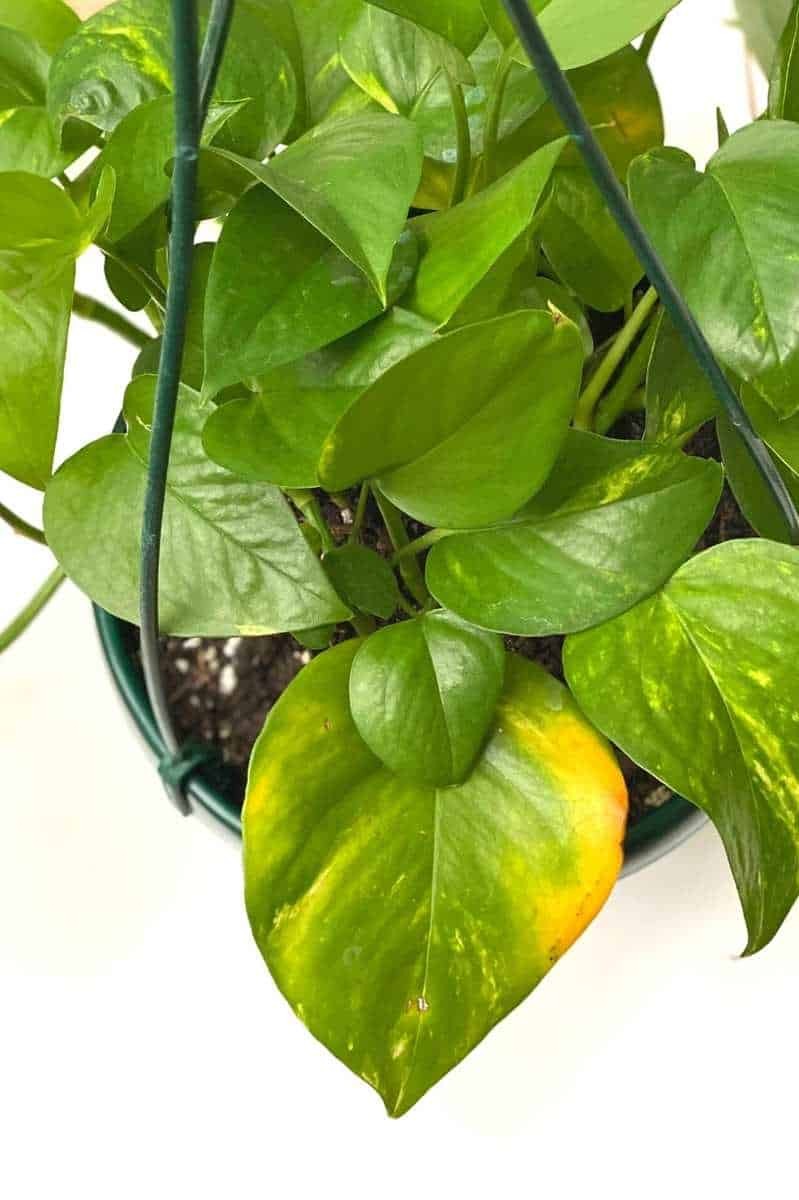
[(144, 1052)]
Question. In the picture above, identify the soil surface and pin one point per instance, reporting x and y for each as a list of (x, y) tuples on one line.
[(220, 691)]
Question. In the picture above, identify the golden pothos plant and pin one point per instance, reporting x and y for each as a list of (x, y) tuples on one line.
[(404, 307)]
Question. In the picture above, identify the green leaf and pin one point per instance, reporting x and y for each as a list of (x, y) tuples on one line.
[(612, 523), (31, 376), (491, 402), (320, 26), (41, 230), (121, 58), (277, 435), (278, 290), (48, 22), (403, 922), (139, 150), (363, 579), (27, 143), (23, 70), (423, 695), (679, 398), (459, 247), (395, 62), (580, 32), (354, 181), (762, 22), (620, 101), (754, 498), (460, 22), (237, 546), (584, 244), (783, 96), (696, 685), (739, 215)]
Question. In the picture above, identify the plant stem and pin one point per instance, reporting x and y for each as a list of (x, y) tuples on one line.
[(308, 505), (101, 314), (610, 364), (22, 527), (409, 568), (494, 114), (623, 396), (216, 35), (360, 513), (649, 39), (463, 166), (32, 609), (420, 545)]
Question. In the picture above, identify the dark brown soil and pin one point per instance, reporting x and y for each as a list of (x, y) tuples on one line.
[(220, 691)]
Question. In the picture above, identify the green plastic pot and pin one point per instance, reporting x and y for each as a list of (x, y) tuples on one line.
[(212, 788)]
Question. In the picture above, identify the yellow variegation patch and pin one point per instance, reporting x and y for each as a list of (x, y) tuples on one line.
[(401, 921)]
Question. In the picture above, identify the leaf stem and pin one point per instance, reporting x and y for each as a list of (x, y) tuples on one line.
[(494, 114), (420, 544), (32, 609), (409, 568), (613, 359), (463, 166), (101, 314), (649, 39), (360, 513), (308, 505), (624, 396), (22, 527), (147, 282)]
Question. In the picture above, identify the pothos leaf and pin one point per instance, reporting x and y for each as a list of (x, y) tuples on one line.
[(363, 579), (461, 22), (782, 439), (679, 398), (741, 213), (511, 391), (695, 685), (278, 290), (580, 32), (762, 22), (250, 570), (23, 69), (403, 922), (423, 695), (48, 22), (27, 142), (783, 96), (31, 375), (612, 523), (277, 435)]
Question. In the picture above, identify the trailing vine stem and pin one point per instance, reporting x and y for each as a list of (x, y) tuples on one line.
[(22, 527), (494, 114), (463, 166), (101, 314), (592, 394), (420, 545), (624, 396), (12, 632), (410, 571), (360, 513), (563, 98), (649, 39)]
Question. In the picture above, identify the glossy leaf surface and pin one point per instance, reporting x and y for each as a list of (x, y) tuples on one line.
[(278, 290), (403, 922), (363, 579), (679, 398), (423, 695), (48, 22), (740, 216), (782, 439), (233, 558), (783, 97), (31, 375), (27, 142), (277, 435), (610, 526), (511, 388), (459, 247), (695, 685), (580, 32), (461, 22)]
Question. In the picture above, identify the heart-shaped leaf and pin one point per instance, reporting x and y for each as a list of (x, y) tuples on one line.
[(423, 695), (679, 398), (740, 215), (122, 57), (581, 32), (233, 558), (490, 401), (320, 27), (695, 685), (353, 180), (403, 922), (363, 579), (459, 247), (461, 22), (48, 22), (755, 499), (278, 290), (277, 435), (31, 375), (612, 524)]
